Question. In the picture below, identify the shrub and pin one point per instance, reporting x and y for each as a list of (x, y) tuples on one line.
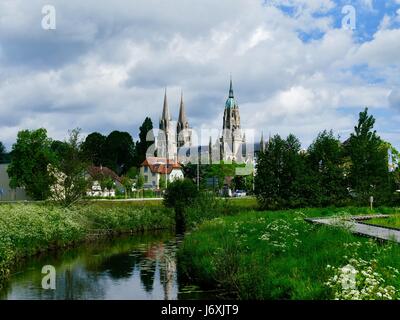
[(179, 195)]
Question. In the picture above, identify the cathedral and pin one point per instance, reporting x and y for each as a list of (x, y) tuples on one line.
[(231, 145), (233, 141), (171, 138)]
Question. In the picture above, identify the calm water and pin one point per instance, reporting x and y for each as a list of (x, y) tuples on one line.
[(128, 268)]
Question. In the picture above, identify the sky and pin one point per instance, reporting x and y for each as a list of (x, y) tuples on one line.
[(295, 68)]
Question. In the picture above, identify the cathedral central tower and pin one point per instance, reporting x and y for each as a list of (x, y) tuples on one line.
[(232, 139)]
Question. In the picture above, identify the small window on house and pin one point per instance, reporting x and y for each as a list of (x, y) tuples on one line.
[(146, 179), (146, 169)]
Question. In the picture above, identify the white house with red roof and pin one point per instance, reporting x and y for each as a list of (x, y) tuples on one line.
[(153, 168)]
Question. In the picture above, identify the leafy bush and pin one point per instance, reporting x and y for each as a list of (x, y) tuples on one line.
[(179, 195)]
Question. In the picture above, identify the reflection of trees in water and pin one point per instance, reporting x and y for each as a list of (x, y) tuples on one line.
[(119, 266), (147, 272), (76, 284), (81, 272)]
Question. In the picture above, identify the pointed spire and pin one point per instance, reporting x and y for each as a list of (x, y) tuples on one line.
[(182, 114), (231, 89), (165, 114)]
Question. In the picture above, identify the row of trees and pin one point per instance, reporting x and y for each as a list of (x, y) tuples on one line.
[(329, 172), (55, 169), (117, 151), (48, 168)]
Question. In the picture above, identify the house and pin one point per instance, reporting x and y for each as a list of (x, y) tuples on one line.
[(153, 168), (99, 176), (6, 192)]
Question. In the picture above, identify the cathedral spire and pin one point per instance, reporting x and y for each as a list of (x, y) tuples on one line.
[(182, 114), (231, 89), (165, 114), (165, 118)]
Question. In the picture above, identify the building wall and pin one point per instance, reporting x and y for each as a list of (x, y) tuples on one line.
[(150, 179), (6, 193), (153, 179)]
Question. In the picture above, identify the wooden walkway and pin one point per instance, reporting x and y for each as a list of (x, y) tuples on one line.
[(355, 225)]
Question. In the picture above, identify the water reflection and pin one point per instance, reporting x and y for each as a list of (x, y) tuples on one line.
[(135, 267)]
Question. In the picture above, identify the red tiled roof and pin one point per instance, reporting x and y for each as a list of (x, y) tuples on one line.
[(95, 172), (160, 165)]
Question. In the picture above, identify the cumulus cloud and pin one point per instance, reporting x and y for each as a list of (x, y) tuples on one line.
[(106, 65)]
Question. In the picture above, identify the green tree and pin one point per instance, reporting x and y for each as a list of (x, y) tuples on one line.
[(127, 184), (3, 153), (143, 145), (107, 183), (162, 183), (179, 195), (69, 170), (280, 177), (119, 150), (93, 149), (31, 156), (140, 182), (369, 172), (132, 173), (325, 159)]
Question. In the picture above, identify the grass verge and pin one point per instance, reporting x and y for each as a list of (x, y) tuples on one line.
[(391, 222)]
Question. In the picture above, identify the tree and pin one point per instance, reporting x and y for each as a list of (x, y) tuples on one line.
[(280, 177), (3, 153), (162, 183), (106, 183), (369, 172), (178, 196), (93, 149), (69, 170), (140, 182), (31, 156), (132, 173), (127, 184), (143, 145), (325, 159), (119, 150)]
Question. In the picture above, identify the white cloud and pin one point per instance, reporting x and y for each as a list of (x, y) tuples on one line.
[(107, 64)]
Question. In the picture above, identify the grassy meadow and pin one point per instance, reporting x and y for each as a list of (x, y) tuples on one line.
[(277, 255), (391, 222)]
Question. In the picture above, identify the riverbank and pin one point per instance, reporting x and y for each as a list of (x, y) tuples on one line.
[(277, 255), (28, 229)]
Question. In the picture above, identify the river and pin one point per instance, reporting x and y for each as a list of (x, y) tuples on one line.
[(138, 267)]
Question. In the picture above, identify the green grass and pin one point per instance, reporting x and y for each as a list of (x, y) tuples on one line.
[(391, 222), (276, 255), (28, 229)]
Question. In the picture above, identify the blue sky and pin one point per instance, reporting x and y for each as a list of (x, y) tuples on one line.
[(105, 67)]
